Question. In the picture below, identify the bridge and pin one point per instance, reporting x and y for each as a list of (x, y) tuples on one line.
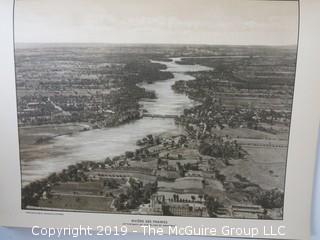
[(159, 115)]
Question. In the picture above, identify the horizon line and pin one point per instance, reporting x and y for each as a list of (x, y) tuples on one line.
[(148, 43)]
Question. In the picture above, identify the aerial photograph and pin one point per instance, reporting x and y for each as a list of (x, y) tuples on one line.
[(163, 108)]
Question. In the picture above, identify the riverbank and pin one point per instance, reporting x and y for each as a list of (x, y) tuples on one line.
[(43, 159), (210, 165), (166, 102), (211, 145)]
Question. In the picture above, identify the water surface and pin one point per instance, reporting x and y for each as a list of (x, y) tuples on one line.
[(96, 145)]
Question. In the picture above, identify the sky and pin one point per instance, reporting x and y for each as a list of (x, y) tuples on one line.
[(234, 22)]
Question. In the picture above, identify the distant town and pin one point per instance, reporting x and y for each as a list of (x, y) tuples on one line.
[(219, 152)]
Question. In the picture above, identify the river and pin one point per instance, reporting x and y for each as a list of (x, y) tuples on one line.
[(96, 145)]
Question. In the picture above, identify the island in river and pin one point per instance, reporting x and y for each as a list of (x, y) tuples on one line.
[(138, 130)]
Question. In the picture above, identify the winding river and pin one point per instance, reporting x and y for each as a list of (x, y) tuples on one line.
[(96, 145)]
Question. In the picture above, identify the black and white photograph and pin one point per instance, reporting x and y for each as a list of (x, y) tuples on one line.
[(162, 108)]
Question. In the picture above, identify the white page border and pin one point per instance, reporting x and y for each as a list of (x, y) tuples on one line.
[(301, 155)]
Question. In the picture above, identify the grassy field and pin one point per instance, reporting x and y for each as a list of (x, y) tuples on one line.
[(263, 166), (88, 203)]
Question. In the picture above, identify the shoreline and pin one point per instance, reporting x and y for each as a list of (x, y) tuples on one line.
[(218, 156), (46, 141)]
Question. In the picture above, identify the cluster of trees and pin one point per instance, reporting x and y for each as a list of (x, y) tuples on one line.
[(33, 191), (220, 148), (212, 115), (183, 168), (269, 199), (30, 194), (135, 195), (144, 70), (212, 204), (254, 194), (149, 140)]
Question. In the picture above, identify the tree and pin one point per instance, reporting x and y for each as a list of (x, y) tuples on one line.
[(166, 211), (119, 202), (212, 205), (129, 154), (108, 161), (148, 190), (271, 199), (193, 200)]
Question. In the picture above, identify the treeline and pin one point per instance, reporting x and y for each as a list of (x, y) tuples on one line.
[(146, 71), (31, 193)]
